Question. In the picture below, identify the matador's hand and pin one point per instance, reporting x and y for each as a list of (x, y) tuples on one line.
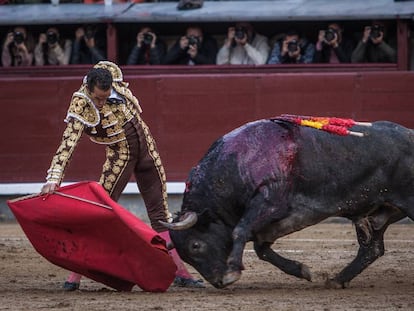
[(49, 188)]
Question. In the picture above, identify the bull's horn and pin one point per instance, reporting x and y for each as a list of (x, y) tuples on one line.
[(190, 219)]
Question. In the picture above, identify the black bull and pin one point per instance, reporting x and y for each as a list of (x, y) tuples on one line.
[(268, 179)]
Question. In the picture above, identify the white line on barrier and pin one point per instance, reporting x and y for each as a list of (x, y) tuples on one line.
[(29, 188)]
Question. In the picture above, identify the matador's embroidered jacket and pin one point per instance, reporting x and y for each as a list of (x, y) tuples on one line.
[(119, 126), (104, 126)]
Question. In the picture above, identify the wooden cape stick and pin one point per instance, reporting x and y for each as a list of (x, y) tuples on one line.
[(82, 199), (29, 196)]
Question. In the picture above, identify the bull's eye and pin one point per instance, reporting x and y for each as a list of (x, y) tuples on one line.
[(196, 246)]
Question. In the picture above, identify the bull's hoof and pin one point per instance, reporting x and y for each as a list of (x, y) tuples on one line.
[(334, 284), (306, 274), (231, 277)]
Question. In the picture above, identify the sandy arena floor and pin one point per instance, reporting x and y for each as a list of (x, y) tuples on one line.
[(29, 282)]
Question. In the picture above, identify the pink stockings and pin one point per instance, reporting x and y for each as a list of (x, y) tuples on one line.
[(74, 277), (181, 268)]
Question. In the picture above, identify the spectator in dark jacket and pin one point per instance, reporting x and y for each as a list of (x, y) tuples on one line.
[(373, 48), (148, 50), (88, 46), (332, 47), (292, 49), (194, 48)]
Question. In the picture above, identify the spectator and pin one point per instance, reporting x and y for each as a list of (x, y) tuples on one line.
[(292, 49), (332, 47), (194, 48), (372, 48), (88, 47), (243, 46), (17, 48), (51, 50), (149, 49)]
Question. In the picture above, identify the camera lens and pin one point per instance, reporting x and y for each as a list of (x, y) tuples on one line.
[(18, 37), (51, 37), (330, 34), (192, 40), (90, 32), (89, 35), (293, 46), (147, 38), (240, 32), (376, 31)]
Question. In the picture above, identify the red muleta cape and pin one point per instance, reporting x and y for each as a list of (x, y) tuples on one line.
[(82, 229)]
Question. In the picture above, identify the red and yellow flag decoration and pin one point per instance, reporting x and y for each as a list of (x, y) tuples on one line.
[(338, 126)]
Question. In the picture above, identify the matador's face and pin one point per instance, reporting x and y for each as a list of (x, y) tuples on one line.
[(99, 96)]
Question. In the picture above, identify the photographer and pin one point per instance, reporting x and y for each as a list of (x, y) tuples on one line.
[(192, 49), (50, 50), (148, 50), (372, 48), (17, 48), (88, 47), (332, 47), (292, 49), (243, 46)]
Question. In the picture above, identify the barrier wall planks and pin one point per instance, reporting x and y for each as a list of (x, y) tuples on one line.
[(186, 113)]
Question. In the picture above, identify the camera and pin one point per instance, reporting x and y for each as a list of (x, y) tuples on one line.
[(193, 41), (240, 33), (330, 34), (52, 37), (148, 38), (293, 46), (18, 37), (376, 31), (89, 34)]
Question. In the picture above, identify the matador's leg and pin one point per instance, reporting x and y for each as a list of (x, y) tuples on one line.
[(118, 168), (137, 155), (151, 180)]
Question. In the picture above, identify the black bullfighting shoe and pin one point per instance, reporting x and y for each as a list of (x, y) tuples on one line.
[(187, 282), (70, 286)]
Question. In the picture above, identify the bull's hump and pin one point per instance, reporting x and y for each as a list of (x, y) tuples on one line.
[(263, 148), (259, 130)]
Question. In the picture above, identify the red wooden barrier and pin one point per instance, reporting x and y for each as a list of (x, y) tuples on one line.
[(186, 113)]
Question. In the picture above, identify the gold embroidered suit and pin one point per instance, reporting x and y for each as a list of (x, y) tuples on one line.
[(130, 147)]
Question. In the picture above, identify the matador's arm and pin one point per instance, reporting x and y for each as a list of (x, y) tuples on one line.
[(70, 139)]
